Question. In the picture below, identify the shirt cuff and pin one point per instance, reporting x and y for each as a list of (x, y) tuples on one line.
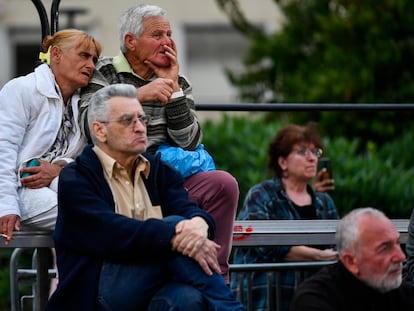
[(177, 94)]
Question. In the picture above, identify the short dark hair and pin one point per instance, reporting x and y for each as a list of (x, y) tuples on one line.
[(288, 136)]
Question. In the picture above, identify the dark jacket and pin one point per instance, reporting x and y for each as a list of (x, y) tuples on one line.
[(409, 249), (334, 288), (88, 231)]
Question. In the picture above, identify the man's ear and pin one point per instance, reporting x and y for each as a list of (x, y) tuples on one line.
[(351, 263), (129, 41), (100, 131)]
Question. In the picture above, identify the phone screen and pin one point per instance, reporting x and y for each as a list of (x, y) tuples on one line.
[(325, 163)]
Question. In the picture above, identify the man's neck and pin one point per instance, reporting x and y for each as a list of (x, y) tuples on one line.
[(139, 68)]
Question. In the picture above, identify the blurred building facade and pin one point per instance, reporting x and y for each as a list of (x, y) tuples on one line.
[(206, 42)]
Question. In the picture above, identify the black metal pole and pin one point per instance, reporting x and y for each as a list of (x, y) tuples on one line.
[(44, 21), (54, 16)]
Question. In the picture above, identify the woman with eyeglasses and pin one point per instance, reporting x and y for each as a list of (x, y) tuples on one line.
[(293, 159)]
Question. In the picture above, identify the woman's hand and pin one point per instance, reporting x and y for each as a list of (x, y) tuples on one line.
[(41, 175), (321, 184)]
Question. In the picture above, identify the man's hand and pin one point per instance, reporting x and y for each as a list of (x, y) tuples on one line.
[(191, 240), (190, 235), (327, 254), (41, 176), (170, 72), (8, 224), (206, 257), (160, 89), (167, 79)]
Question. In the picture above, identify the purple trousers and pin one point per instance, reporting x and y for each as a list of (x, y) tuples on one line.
[(217, 192)]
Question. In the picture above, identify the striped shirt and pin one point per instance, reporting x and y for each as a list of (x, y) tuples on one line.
[(175, 123)]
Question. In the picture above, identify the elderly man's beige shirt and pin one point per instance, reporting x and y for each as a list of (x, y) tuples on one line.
[(131, 198)]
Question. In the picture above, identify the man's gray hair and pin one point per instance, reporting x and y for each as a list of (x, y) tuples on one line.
[(99, 108), (132, 20), (347, 231)]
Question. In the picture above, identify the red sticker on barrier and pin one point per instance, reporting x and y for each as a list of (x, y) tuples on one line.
[(239, 229)]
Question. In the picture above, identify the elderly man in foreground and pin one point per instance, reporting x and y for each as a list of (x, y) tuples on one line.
[(127, 236), (369, 273)]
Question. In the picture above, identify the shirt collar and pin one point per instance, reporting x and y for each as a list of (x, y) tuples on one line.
[(121, 64), (109, 163)]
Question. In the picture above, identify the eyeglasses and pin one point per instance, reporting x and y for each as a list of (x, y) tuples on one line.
[(131, 121), (303, 151)]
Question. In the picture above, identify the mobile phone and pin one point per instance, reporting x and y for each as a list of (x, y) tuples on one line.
[(325, 163), (32, 162)]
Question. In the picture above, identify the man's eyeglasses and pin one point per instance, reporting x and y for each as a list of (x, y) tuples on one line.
[(131, 121), (317, 152)]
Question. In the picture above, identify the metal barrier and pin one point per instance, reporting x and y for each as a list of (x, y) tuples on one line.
[(251, 233), (21, 276), (303, 107), (39, 274), (245, 234), (274, 295)]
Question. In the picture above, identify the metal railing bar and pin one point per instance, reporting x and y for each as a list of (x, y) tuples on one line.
[(277, 266), (244, 275), (303, 107)]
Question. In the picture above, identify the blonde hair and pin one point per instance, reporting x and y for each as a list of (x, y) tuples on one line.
[(67, 38)]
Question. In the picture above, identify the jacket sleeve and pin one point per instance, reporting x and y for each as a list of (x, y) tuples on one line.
[(260, 204), (14, 118), (308, 299), (408, 272), (325, 205), (183, 126)]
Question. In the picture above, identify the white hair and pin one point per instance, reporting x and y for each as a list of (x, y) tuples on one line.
[(99, 108), (347, 231), (132, 20)]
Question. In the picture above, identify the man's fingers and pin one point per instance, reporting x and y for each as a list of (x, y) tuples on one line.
[(208, 263), (195, 248), (203, 264), (151, 65)]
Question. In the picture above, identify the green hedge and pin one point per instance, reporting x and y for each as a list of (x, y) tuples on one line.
[(381, 177)]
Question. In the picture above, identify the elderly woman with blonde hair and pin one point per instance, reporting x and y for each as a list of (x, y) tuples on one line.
[(39, 132)]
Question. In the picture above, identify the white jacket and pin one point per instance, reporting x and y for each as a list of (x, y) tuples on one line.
[(31, 110)]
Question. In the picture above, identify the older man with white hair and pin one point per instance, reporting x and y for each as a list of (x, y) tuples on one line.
[(368, 275)]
